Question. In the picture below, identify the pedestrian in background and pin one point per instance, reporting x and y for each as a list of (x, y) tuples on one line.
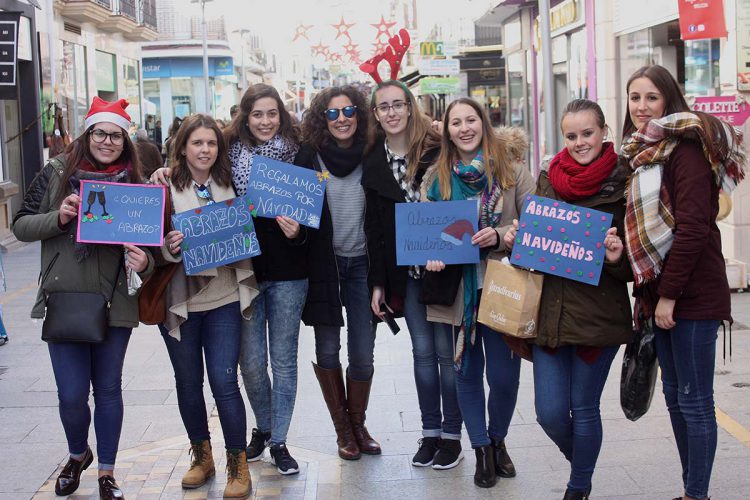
[(334, 144), (581, 326), (103, 152), (403, 147), (479, 163), (680, 159), (148, 153)]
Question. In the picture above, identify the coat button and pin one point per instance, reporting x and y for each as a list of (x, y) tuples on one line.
[(57, 278)]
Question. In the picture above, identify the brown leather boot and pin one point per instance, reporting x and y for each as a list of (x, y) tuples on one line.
[(201, 467), (239, 483), (332, 384), (357, 397)]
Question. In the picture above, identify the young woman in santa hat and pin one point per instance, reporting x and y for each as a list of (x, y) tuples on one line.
[(50, 208), (479, 163), (404, 146)]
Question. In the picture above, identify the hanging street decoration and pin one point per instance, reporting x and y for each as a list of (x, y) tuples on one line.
[(301, 31), (342, 29), (384, 28)]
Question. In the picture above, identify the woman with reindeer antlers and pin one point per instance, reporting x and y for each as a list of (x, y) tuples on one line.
[(404, 145)]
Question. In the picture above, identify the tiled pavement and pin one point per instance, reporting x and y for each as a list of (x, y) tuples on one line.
[(637, 461)]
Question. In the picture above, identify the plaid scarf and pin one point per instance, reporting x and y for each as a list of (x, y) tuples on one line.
[(649, 221), (398, 167)]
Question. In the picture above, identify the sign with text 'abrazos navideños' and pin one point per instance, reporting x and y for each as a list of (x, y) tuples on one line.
[(558, 238), (217, 234), (117, 213)]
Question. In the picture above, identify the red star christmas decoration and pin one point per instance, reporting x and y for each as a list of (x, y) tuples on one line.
[(301, 31), (354, 57), (383, 28), (342, 28), (320, 49), (379, 47), (336, 58), (351, 48)]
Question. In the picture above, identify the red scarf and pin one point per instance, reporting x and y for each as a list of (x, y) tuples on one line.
[(575, 182), (114, 168)]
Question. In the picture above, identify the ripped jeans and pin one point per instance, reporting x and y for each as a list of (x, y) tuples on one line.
[(687, 355), (214, 334)]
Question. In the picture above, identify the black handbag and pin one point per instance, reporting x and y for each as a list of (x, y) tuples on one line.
[(78, 316), (440, 288), (639, 368)]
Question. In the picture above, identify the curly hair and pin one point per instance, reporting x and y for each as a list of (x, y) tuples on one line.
[(238, 128), (315, 125), (221, 171)]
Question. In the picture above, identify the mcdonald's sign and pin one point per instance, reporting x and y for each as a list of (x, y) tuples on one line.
[(431, 49)]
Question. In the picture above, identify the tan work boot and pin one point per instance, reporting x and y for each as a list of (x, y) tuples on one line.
[(239, 483), (201, 467)]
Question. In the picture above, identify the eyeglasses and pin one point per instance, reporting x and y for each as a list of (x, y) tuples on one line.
[(203, 192), (398, 107), (99, 136), (332, 114)]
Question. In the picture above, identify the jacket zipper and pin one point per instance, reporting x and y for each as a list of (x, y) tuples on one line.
[(43, 277)]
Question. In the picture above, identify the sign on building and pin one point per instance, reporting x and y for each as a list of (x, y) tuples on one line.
[(439, 67)]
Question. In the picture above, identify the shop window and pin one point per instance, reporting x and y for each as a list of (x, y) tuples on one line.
[(130, 78), (73, 88), (702, 67), (182, 97), (516, 97), (106, 79), (578, 85)]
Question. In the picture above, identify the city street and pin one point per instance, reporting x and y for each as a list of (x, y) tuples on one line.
[(638, 460)]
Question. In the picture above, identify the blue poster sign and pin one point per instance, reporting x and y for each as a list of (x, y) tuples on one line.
[(558, 238), (441, 230), (278, 188), (117, 213), (217, 234)]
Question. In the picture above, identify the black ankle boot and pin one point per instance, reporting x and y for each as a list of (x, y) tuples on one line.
[(485, 476), (503, 464), (577, 495)]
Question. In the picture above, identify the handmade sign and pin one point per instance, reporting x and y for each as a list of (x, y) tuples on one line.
[(558, 238), (217, 234), (278, 188), (436, 231), (117, 213)]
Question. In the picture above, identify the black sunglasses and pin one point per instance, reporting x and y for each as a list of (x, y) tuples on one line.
[(333, 113)]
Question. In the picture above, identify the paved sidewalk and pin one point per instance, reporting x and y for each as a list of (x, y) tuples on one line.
[(638, 460)]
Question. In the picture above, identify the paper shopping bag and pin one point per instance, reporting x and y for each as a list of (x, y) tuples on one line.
[(510, 299)]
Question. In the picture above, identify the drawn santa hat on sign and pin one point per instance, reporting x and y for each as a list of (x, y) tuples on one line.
[(104, 111), (455, 232)]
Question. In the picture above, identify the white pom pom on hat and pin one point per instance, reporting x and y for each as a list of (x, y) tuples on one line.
[(105, 111)]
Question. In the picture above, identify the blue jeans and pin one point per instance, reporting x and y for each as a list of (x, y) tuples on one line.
[(434, 374), (503, 374), (360, 330), (278, 308), (78, 366), (567, 391), (216, 334), (687, 356)]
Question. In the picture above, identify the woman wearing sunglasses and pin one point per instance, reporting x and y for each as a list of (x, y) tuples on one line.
[(334, 142), (404, 146)]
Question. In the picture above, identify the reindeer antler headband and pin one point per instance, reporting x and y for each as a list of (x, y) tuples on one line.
[(394, 54)]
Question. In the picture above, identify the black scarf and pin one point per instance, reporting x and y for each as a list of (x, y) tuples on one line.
[(341, 162)]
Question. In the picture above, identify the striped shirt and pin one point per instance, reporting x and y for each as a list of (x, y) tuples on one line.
[(346, 201)]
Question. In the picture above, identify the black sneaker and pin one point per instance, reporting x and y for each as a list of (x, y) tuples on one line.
[(258, 443), (284, 462), (448, 454), (428, 446)]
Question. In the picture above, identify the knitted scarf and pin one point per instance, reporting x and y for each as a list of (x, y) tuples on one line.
[(342, 161), (467, 181), (573, 181), (241, 157), (648, 215)]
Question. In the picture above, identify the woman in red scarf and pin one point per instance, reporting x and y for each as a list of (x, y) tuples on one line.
[(583, 325)]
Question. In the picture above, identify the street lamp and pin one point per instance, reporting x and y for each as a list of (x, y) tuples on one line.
[(206, 89), (243, 78)]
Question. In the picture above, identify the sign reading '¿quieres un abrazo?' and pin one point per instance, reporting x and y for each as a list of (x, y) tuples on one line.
[(278, 188), (558, 238), (217, 234)]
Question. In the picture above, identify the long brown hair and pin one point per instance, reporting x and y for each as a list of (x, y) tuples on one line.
[(419, 132), (79, 150), (497, 162), (315, 125), (238, 128), (221, 171), (674, 102)]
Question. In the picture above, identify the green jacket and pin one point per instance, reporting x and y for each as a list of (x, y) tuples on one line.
[(37, 220), (575, 313)]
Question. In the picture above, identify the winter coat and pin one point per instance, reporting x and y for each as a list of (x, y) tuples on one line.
[(37, 220), (512, 202), (382, 192), (575, 313)]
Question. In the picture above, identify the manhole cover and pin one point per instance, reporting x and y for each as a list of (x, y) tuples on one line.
[(740, 384)]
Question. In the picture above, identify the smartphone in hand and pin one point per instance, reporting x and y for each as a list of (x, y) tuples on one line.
[(389, 319)]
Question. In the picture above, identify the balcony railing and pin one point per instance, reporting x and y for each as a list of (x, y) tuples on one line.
[(104, 3), (149, 13), (127, 9)]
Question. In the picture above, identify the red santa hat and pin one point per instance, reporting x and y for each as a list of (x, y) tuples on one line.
[(104, 111)]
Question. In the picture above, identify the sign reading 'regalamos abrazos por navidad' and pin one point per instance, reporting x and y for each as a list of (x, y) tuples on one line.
[(436, 231), (217, 234), (278, 188), (558, 238), (117, 213)]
